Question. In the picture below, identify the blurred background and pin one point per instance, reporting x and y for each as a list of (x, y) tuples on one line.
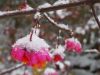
[(79, 19)]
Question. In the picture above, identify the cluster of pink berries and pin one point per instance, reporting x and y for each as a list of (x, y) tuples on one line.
[(36, 53), (73, 45)]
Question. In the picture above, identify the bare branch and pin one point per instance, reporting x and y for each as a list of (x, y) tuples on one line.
[(95, 16), (47, 9), (61, 26), (91, 51), (11, 69)]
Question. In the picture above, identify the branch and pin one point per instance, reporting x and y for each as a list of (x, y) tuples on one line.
[(11, 69), (61, 26), (91, 51), (47, 9), (95, 16)]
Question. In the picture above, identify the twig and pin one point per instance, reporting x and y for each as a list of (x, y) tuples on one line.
[(95, 16), (91, 51), (64, 27), (11, 69), (47, 9)]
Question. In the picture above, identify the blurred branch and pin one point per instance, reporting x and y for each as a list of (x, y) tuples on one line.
[(91, 51), (47, 9), (11, 69), (95, 16), (64, 27)]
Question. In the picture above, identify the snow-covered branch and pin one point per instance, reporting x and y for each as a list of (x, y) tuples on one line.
[(61, 26), (94, 14), (91, 51), (11, 69), (4, 14)]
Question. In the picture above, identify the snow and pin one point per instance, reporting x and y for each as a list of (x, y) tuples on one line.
[(92, 23), (27, 8), (61, 65), (91, 51), (2, 13), (15, 11), (44, 5), (36, 30), (59, 50), (62, 13), (37, 15), (67, 63), (98, 17), (80, 30), (36, 43), (49, 71), (63, 26), (59, 2), (21, 72)]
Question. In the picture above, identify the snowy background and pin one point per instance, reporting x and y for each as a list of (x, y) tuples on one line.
[(79, 19)]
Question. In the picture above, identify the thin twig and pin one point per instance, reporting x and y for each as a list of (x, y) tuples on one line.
[(11, 69), (64, 27), (91, 51), (47, 9), (95, 16)]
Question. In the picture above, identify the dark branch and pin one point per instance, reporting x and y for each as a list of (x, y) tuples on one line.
[(64, 27), (11, 69), (47, 9), (95, 16)]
